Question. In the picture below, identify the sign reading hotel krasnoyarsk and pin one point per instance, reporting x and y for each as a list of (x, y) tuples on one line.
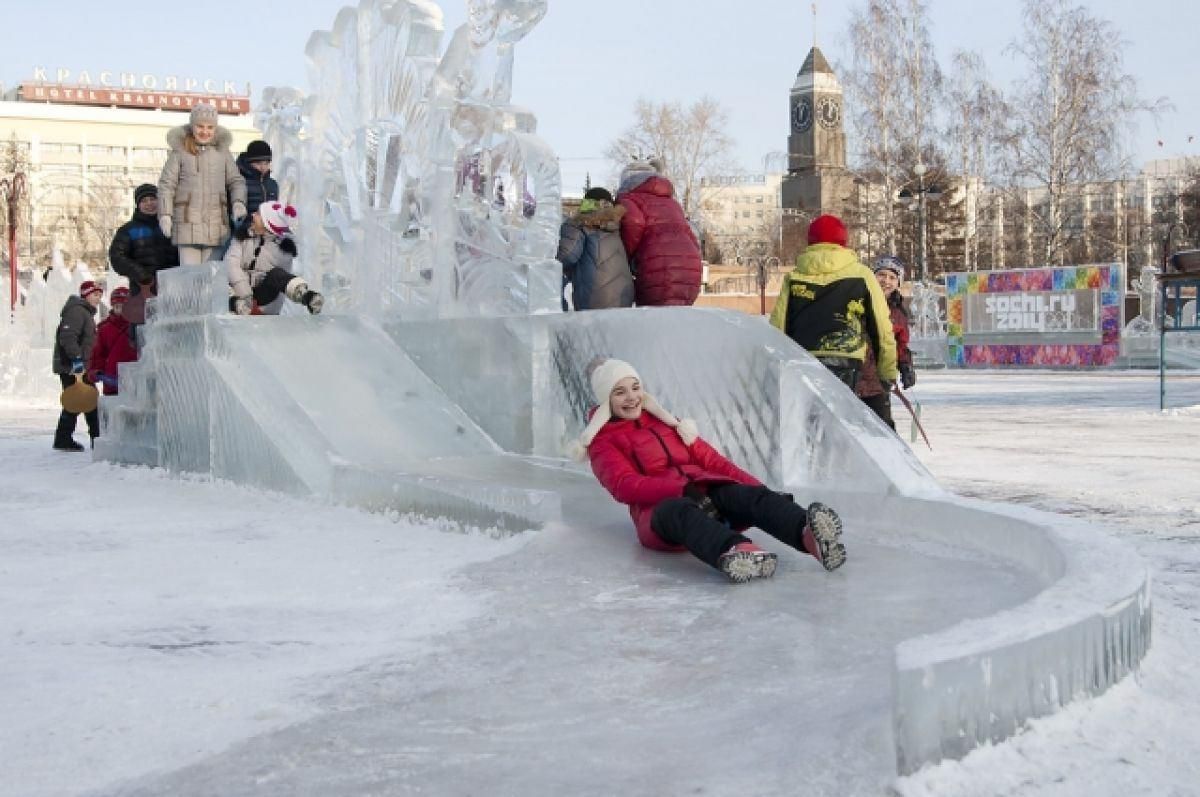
[(133, 90)]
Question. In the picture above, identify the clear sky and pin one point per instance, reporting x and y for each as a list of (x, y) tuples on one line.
[(587, 62)]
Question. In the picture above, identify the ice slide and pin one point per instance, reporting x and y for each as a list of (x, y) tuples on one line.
[(953, 623)]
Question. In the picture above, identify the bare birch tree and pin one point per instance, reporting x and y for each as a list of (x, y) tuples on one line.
[(692, 140), (894, 82), (976, 109), (1070, 113)]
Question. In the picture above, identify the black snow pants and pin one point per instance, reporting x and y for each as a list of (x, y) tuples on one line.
[(881, 403), (68, 420), (681, 521)]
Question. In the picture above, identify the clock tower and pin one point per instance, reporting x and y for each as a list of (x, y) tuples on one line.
[(817, 181)]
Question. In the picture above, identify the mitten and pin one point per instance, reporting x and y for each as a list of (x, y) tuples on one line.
[(908, 377), (77, 365), (696, 493), (239, 212), (242, 305), (164, 224)]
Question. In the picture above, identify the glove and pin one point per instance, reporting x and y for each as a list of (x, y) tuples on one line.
[(107, 381), (77, 366), (242, 305), (164, 224), (696, 493), (908, 377), (239, 213)]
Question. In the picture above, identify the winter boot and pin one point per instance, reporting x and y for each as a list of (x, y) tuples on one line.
[(66, 444), (820, 537), (313, 301), (745, 561)]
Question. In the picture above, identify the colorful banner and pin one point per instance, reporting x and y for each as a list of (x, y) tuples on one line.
[(1049, 317)]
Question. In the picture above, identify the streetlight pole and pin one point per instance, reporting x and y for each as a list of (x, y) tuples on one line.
[(906, 197), (13, 191)]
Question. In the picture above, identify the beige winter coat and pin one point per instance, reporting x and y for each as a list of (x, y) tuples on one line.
[(197, 191), (248, 261)]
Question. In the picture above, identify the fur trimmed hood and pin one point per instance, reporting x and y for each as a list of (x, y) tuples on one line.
[(222, 141), (608, 219)]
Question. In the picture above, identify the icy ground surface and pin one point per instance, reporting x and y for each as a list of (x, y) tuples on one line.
[(170, 637)]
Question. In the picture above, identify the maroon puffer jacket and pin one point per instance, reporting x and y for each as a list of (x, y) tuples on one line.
[(660, 241), (645, 462)]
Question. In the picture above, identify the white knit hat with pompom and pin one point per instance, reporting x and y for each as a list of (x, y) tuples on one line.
[(604, 378)]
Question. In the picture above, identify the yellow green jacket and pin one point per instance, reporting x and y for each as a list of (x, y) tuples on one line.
[(832, 305)]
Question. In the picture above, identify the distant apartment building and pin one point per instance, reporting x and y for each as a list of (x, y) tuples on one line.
[(85, 140)]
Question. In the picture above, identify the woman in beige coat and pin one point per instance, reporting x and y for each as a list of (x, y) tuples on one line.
[(199, 186)]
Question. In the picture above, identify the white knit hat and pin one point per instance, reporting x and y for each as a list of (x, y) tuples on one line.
[(203, 113), (604, 378), (277, 217)]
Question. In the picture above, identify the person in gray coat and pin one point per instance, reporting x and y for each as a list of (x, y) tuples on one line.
[(593, 256), (72, 348), (259, 262), (200, 187)]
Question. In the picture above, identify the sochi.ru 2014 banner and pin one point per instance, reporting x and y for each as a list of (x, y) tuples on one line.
[(1066, 316)]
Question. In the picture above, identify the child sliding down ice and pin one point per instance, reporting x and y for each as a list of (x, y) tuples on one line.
[(683, 495), (259, 262)]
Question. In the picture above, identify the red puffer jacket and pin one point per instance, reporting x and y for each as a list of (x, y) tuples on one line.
[(661, 243), (645, 462), (112, 347)]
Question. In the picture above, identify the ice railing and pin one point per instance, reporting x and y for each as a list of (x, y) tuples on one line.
[(422, 192)]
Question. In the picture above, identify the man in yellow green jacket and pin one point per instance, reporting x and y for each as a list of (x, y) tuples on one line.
[(832, 305)]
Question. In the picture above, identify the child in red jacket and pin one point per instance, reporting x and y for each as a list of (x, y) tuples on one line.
[(683, 495), (114, 344)]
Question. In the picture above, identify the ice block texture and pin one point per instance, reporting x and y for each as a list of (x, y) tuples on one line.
[(422, 191)]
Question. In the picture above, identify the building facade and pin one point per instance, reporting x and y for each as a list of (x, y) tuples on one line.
[(83, 147)]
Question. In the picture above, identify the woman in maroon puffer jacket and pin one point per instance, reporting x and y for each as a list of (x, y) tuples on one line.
[(683, 495), (662, 248)]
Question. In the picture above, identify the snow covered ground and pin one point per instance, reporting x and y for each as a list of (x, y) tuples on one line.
[(149, 624)]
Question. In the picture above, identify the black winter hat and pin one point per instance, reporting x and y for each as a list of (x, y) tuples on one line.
[(598, 193), (258, 151), (144, 190)]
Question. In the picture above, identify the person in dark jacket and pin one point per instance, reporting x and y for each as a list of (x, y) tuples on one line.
[(889, 272), (593, 257), (683, 495), (832, 305), (662, 248), (139, 250), (255, 166), (113, 344), (72, 347)]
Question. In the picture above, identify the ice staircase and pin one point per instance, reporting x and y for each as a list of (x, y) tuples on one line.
[(469, 418)]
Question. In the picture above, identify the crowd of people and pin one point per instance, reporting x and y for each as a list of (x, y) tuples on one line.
[(635, 248), (207, 206)]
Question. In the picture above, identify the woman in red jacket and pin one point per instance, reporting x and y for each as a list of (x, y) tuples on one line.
[(663, 251), (683, 495), (113, 344)]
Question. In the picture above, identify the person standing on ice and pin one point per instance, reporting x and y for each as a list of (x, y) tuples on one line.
[(73, 344), (592, 255), (139, 250), (682, 494), (200, 187), (662, 248), (259, 262), (889, 272), (255, 167), (832, 305), (113, 344)]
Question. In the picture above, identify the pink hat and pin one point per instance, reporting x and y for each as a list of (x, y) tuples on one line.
[(118, 296)]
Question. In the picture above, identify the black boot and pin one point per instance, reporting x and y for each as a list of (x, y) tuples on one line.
[(63, 441)]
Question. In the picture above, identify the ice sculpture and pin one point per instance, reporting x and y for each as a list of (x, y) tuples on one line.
[(1146, 322), (435, 198), (448, 383), (929, 343)]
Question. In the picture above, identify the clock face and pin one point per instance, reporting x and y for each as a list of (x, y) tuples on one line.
[(802, 115), (829, 113)]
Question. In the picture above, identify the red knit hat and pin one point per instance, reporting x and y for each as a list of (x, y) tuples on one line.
[(827, 230), (88, 286), (118, 296)]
